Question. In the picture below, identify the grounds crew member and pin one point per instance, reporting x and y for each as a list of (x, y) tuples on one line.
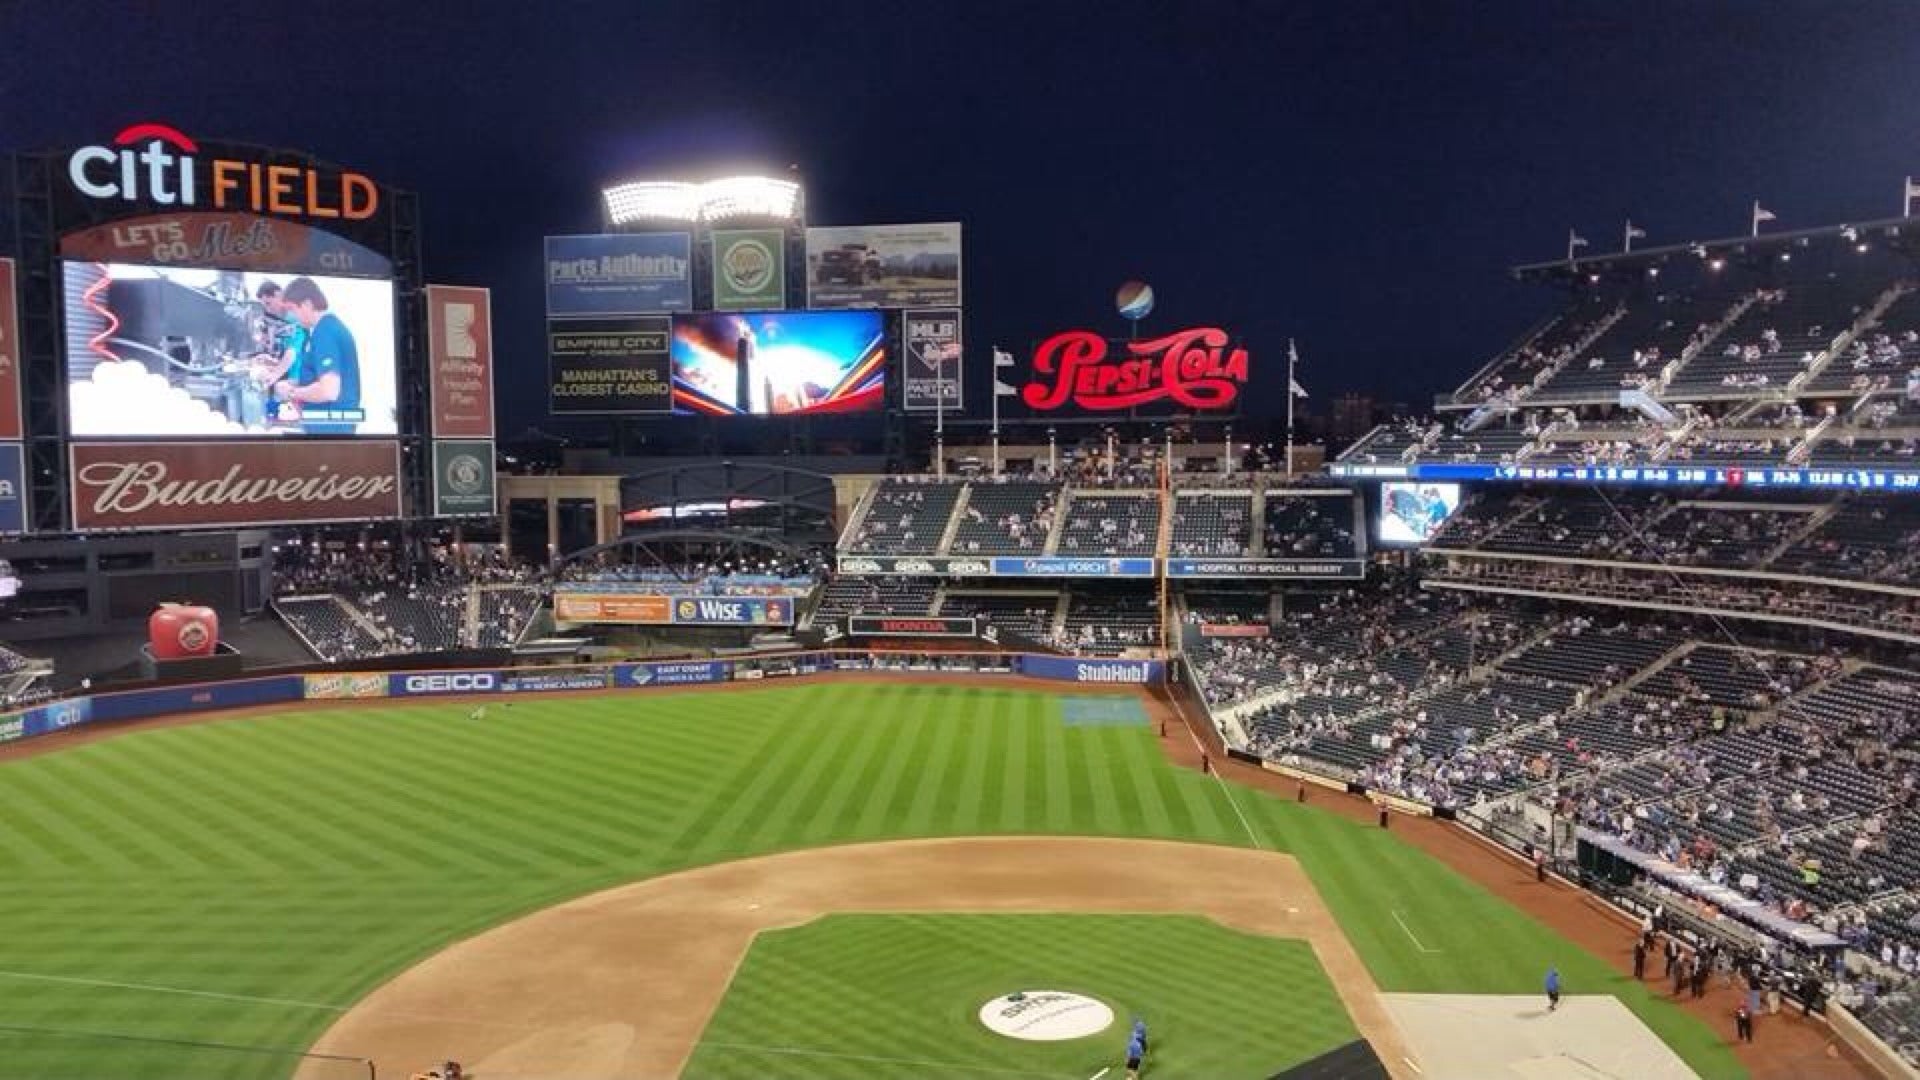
[(1136, 1048), (1553, 988)]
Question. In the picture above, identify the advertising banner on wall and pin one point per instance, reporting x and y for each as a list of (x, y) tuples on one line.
[(188, 485), (13, 488), (749, 270), (431, 683), (460, 360), (544, 682), (229, 241), (911, 626), (933, 368), (610, 366), (1074, 669), (463, 478), (342, 686), (10, 422), (579, 607), (884, 266), (619, 274), (656, 610), (733, 611), (1266, 568), (676, 673)]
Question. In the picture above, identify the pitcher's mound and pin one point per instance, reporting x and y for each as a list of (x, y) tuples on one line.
[(1513, 1037)]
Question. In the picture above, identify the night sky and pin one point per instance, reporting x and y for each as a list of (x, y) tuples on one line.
[(1356, 175)]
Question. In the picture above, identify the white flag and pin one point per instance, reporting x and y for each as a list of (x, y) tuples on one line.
[(1575, 240), (1002, 358), (1293, 359), (1761, 213), (1635, 232), (1296, 389)]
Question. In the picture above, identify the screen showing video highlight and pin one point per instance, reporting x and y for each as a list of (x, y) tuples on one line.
[(173, 351), (1412, 513), (782, 363)]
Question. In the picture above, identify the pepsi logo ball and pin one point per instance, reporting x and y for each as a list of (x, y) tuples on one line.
[(1134, 299)]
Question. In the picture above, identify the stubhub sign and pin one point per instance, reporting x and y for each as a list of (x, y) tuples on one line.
[(1073, 669), (416, 684)]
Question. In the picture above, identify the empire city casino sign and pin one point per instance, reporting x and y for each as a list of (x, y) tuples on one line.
[(1195, 369), (157, 165)]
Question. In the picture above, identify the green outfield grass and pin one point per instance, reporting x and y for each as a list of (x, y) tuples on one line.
[(896, 996), (302, 859)]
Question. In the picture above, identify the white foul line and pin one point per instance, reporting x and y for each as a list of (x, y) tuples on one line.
[(1409, 933), (1101, 1073), (1224, 786), (245, 999)]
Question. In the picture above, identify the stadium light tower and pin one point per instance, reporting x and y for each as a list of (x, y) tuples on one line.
[(712, 202)]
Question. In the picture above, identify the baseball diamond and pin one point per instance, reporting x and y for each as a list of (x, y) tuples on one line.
[(354, 856)]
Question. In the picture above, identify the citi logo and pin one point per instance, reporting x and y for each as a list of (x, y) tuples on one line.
[(158, 164)]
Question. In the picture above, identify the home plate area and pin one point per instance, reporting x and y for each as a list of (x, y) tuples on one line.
[(1494, 1036)]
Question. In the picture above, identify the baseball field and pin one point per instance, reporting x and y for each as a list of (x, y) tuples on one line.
[(738, 883)]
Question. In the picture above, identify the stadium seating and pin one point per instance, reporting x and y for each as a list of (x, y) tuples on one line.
[(1012, 517), (1309, 526), (905, 518), (875, 596), (1107, 621), (1030, 614), (1211, 523), (1108, 524)]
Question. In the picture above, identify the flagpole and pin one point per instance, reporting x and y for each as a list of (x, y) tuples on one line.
[(1756, 218), (1570, 238), (1906, 201), (1627, 244), (1293, 358), (996, 411), (939, 426)]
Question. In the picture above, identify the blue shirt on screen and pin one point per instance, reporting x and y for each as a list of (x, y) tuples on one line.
[(329, 349)]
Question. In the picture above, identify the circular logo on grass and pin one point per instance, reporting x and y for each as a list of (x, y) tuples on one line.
[(1046, 1016)]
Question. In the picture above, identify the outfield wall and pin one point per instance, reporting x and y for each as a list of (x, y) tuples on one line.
[(67, 713)]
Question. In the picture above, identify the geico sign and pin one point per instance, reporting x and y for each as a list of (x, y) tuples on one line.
[(451, 683), (157, 164)]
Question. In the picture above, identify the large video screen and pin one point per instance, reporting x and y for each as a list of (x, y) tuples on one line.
[(160, 351), (779, 363), (1412, 513)]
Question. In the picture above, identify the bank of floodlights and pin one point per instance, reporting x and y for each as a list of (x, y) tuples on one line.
[(759, 197)]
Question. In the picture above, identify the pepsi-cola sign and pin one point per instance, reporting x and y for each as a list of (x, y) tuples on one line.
[(1198, 369)]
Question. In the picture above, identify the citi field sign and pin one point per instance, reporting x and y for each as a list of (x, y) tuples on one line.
[(157, 165), (1196, 369)]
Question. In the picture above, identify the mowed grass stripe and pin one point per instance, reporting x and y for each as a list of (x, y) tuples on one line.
[(859, 766), (813, 785), (504, 789)]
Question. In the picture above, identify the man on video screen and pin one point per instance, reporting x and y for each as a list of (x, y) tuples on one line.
[(325, 375)]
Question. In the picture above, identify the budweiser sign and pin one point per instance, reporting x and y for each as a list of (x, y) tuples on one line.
[(217, 484), (1196, 369)]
